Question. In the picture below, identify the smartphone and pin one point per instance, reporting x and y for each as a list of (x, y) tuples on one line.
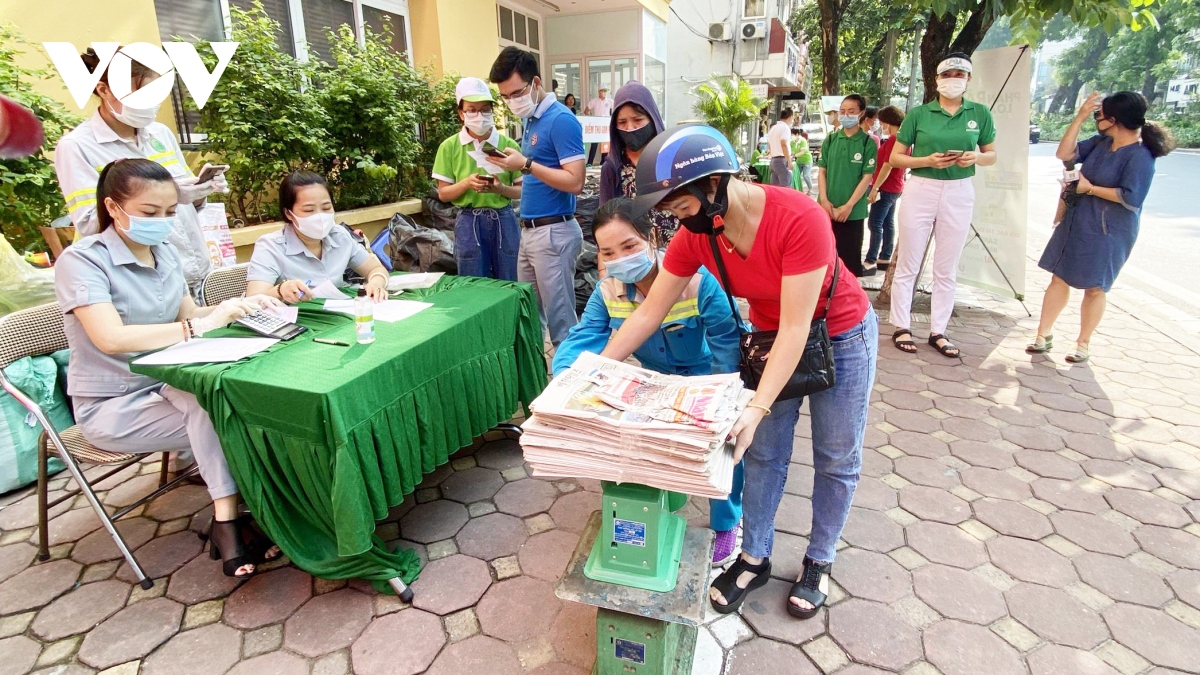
[(492, 152), (954, 153), (211, 171), (490, 180)]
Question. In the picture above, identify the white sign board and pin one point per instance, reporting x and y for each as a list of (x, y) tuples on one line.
[(760, 90), (595, 129), (1001, 190)]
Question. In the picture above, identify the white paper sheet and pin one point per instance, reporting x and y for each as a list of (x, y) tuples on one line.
[(289, 314), (418, 280), (388, 310), (207, 350), (326, 289), (484, 162)]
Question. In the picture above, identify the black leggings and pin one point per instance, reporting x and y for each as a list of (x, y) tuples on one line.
[(849, 238)]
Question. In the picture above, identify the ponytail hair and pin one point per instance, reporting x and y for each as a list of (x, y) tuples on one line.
[(123, 179), (1128, 108), (138, 72)]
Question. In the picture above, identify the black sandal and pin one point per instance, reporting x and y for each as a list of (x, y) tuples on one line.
[(734, 595), (258, 544), (226, 542), (809, 589), (947, 349), (907, 346)]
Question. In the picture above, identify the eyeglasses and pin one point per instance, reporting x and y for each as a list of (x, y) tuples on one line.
[(517, 94), (1097, 115)]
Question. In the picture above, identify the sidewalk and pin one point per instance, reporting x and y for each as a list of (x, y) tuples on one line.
[(1016, 515)]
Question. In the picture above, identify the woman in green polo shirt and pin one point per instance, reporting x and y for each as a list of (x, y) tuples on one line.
[(847, 164), (949, 137)]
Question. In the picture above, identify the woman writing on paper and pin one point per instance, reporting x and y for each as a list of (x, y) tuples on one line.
[(698, 336), (122, 291), (311, 248)]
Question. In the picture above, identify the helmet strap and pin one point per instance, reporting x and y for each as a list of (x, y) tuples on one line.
[(716, 208)]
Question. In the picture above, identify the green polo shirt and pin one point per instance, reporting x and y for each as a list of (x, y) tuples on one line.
[(928, 129), (453, 164), (846, 159)]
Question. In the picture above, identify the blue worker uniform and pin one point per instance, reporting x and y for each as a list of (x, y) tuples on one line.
[(699, 336)]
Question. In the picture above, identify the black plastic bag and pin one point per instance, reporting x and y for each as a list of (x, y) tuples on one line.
[(438, 214), (586, 275), (416, 248)]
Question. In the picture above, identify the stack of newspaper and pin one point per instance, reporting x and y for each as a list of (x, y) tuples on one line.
[(609, 420)]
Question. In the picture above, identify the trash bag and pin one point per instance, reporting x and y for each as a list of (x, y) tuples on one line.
[(416, 248), (438, 214), (586, 275), (587, 204)]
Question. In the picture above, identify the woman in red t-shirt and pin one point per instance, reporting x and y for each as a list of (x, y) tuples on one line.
[(777, 247), (885, 191)]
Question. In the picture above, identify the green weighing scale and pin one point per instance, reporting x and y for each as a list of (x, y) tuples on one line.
[(647, 572)]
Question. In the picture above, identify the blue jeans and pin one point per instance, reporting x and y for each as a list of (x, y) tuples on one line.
[(486, 242), (839, 422), (882, 224), (724, 514)]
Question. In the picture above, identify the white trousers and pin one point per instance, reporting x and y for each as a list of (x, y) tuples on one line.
[(159, 419), (943, 208)]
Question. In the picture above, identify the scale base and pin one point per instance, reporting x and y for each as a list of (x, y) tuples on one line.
[(640, 540), (627, 643)]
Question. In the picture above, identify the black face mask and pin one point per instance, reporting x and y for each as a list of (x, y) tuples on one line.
[(704, 220), (638, 138)]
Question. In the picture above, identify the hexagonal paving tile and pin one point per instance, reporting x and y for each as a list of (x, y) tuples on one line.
[(1012, 518), (1031, 561), (327, 623), (275, 663), (1184, 482), (1148, 508), (545, 555), (958, 594), (1068, 495), (1098, 447), (1163, 455), (871, 576), (80, 610), (765, 611), (71, 526), (873, 634), (574, 635), (1119, 474), (919, 444), (433, 521), (492, 536), (935, 504), (1157, 637), (518, 609), (526, 497), (874, 494), (161, 556), (1048, 464), (1032, 438), (375, 651), (982, 454), (20, 653), (37, 585), (452, 583), (872, 530), (571, 511), (946, 544), (14, 558), (1121, 580), (500, 455), (99, 545), (1178, 547), (794, 515), (971, 430), (964, 649), (268, 598), (1056, 616), (923, 471), (199, 580), (758, 656), (479, 654), (1187, 586), (184, 500), (209, 650), (1093, 533), (1058, 660), (997, 484), (472, 485), (131, 633)]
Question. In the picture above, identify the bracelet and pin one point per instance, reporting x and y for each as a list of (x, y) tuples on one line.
[(279, 290), (760, 407), (187, 330)]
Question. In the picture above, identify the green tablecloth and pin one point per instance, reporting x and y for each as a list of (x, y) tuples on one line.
[(323, 439)]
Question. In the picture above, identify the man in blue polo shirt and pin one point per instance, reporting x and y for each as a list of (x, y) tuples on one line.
[(551, 158)]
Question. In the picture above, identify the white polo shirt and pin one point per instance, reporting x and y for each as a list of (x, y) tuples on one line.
[(84, 151), (601, 107), (779, 139)]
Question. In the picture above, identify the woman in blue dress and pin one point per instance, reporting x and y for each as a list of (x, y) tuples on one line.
[(1097, 233)]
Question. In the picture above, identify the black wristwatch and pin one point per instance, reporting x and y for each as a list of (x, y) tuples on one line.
[(528, 168)]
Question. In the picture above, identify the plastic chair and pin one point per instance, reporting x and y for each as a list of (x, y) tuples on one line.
[(38, 331), (223, 283)]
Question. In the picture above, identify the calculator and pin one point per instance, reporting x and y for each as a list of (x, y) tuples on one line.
[(265, 323)]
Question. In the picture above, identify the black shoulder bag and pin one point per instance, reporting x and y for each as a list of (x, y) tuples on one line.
[(815, 372)]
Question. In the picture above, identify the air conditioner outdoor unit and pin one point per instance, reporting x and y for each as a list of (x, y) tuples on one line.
[(754, 30), (720, 31)]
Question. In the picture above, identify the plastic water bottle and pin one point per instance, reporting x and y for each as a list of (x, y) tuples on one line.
[(364, 318)]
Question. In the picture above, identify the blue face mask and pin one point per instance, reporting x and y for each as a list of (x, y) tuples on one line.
[(148, 231), (848, 121), (632, 268)]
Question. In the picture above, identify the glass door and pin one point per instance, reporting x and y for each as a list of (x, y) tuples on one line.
[(568, 77), (609, 74)]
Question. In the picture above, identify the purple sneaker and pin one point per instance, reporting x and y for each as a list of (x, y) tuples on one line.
[(725, 548)]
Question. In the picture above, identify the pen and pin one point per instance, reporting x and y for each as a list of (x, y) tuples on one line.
[(307, 283), (339, 343)]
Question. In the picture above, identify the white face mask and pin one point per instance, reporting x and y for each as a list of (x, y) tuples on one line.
[(138, 118), (480, 124), (315, 226), (523, 106), (952, 87)]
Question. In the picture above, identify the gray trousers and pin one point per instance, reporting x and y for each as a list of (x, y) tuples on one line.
[(781, 174), (158, 419), (547, 260)]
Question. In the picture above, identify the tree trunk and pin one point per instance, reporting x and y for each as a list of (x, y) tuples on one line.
[(1149, 84), (937, 41), (889, 66), (1065, 93), (830, 62), (1067, 96)]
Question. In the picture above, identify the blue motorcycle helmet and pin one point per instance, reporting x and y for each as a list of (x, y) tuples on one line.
[(681, 158)]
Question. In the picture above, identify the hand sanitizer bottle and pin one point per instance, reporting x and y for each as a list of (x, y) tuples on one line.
[(364, 318)]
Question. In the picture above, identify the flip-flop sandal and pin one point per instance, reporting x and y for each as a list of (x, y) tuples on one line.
[(808, 588), (735, 595), (908, 346), (1040, 345), (948, 349)]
